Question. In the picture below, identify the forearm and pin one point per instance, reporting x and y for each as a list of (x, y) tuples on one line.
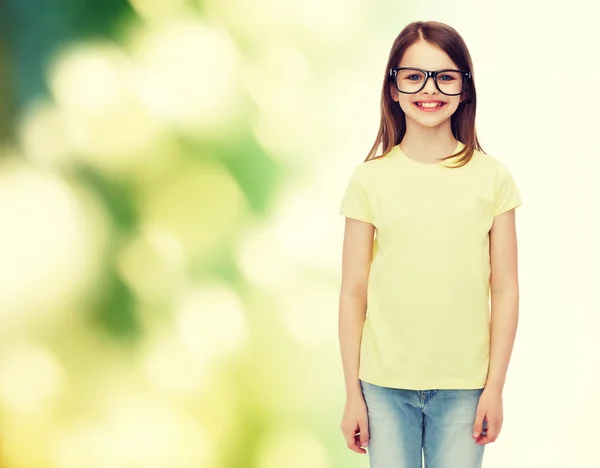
[(504, 320), (352, 313)]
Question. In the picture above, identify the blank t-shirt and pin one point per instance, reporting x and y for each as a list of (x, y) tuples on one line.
[(428, 311)]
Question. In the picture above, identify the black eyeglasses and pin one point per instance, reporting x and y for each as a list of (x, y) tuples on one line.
[(412, 80)]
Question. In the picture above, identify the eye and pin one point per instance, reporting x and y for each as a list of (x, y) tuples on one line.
[(414, 75), (446, 77)]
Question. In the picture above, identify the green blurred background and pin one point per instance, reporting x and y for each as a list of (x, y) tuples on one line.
[(170, 244), (170, 174)]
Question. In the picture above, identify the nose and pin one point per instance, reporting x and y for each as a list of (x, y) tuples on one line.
[(429, 85)]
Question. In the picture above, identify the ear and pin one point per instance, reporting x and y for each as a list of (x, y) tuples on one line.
[(394, 93)]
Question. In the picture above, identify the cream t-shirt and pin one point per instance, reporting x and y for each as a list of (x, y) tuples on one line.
[(428, 303)]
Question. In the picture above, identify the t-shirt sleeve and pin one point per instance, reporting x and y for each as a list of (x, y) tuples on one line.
[(507, 195), (355, 202)]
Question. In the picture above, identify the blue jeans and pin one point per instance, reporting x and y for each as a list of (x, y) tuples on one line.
[(408, 425)]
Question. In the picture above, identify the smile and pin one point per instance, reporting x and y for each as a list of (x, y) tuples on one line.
[(429, 106)]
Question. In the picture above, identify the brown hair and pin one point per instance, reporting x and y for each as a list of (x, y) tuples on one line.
[(393, 124)]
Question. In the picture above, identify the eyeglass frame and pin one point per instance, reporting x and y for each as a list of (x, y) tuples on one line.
[(429, 74)]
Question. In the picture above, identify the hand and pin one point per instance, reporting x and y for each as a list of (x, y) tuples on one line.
[(355, 425), (490, 408)]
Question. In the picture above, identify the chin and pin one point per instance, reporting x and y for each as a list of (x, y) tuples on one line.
[(428, 122)]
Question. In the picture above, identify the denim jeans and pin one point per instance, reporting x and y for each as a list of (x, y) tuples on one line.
[(406, 426)]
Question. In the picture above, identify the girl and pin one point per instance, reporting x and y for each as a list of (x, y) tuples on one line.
[(430, 230)]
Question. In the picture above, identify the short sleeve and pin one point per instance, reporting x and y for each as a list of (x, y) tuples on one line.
[(355, 202), (506, 192)]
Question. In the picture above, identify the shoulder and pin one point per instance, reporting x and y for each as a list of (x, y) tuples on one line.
[(370, 171), (489, 163)]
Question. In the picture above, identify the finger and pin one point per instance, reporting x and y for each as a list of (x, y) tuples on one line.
[(487, 437), (492, 429), (364, 433), (492, 435), (478, 425), (350, 443), (358, 444), (353, 442), (349, 437)]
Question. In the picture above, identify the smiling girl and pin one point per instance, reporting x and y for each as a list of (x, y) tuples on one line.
[(429, 239)]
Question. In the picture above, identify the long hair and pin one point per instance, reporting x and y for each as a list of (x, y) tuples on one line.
[(393, 121)]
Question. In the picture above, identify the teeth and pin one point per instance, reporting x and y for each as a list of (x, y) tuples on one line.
[(429, 104)]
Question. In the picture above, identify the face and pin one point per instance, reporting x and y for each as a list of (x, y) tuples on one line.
[(426, 56)]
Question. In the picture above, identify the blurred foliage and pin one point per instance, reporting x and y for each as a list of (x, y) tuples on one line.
[(168, 284)]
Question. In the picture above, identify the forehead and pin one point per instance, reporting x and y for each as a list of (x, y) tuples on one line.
[(424, 55)]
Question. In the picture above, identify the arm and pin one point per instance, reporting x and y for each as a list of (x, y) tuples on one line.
[(504, 297), (356, 263)]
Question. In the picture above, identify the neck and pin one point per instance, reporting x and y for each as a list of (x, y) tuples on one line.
[(428, 143)]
